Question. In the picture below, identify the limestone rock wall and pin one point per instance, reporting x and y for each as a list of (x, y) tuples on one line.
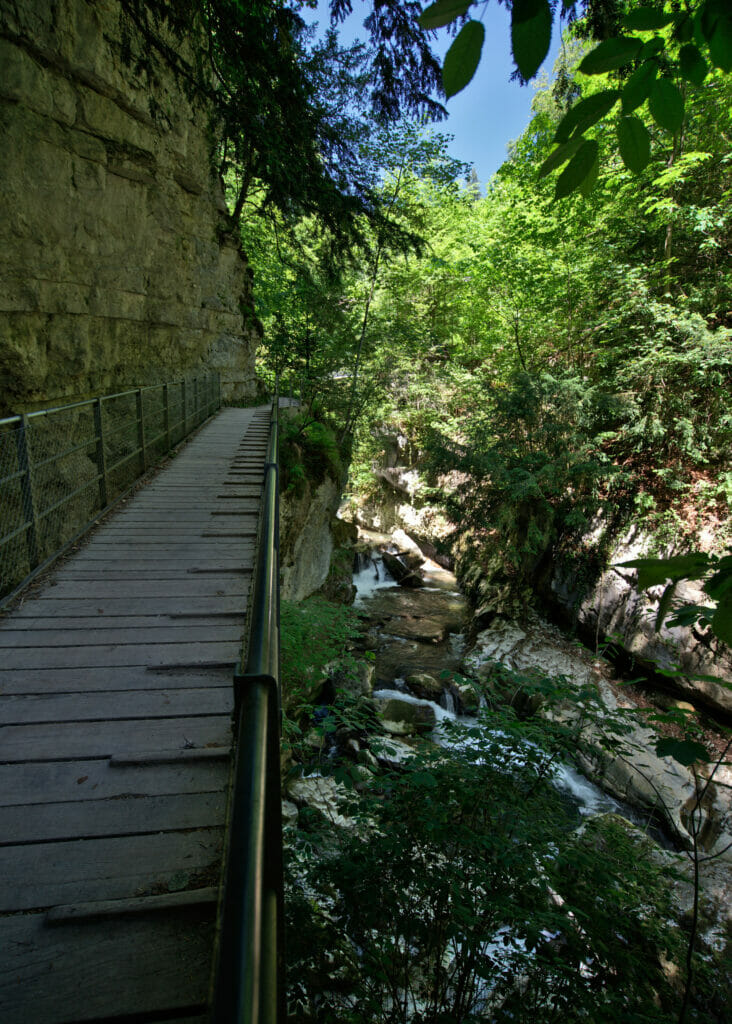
[(116, 267)]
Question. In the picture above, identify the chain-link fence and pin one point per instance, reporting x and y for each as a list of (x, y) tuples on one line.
[(59, 468)]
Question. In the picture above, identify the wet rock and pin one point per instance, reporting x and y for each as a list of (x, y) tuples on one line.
[(615, 607), (405, 718), (356, 679), (391, 752), (409, 552), (289, 814), (634, 774), (468, 696), (321, 793), (423, 685), (401, 572), (426, 631), (449, 608)]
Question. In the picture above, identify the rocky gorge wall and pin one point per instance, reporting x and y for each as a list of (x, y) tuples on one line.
[(116, 264), (606, 607)]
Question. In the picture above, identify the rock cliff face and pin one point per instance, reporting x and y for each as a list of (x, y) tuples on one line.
[(116, 264), (306, 538)]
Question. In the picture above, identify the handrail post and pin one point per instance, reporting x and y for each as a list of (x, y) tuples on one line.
[(141, 429), (196, 410), (101, 460), (166, 417), (26, 490), (184, 413)]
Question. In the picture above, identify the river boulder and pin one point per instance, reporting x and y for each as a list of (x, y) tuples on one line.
[(403, 717)]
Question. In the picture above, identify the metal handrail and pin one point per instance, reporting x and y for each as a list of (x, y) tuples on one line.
[(249, 980), (28, 515)]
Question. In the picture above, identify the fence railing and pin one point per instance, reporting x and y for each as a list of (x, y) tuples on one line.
[(249, 984), (61, 467)]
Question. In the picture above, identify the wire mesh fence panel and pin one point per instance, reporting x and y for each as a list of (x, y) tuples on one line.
[(175, 412), (65, 480), (121, 442), (59, 468), (14, 556), (156, 444)]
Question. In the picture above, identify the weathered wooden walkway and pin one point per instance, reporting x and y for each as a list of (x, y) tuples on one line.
[(115, 734)]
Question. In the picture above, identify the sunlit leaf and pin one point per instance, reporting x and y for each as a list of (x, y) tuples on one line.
[(666, 105), (685, 752), (610, 55), (634, 143), (577, 169), (646, 19), (463, 57), (586, 113), (692, 65), (531, 34), (443, 12), (638, 87)]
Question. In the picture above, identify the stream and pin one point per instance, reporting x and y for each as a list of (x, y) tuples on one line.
[(421, 630)]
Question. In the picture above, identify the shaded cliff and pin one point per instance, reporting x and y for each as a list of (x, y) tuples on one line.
[(117, 265)]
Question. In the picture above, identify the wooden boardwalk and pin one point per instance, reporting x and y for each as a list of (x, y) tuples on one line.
[(115, 734)]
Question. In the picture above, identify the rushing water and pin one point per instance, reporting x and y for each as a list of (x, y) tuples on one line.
[(421, 630)]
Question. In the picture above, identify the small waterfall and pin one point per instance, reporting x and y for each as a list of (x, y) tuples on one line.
[(449, 701)]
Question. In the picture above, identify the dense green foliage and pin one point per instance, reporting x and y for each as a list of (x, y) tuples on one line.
[(463, 889)]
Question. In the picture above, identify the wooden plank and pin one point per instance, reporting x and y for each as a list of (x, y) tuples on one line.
[(135, 905), (125, 815), (176, 702), (145, 568), (68, 740), (42, 875), (93, 633), (98, 616), (92, 970), (191, 586), (107, 655), (75, 680), (56, 781)]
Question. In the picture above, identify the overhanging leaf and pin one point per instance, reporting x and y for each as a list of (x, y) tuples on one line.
[(591, 180), (560, 156), (692, 65), (652, 571), (720, 44), (610, 55), (443, 12), (722, 619), (586, 113), (664, 604), (463, 57), (646, 19), (666, 105), (686, 752), (684, 28), (638, 87), (577, 169), (531, 34), (634, 143), (652, 48)]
